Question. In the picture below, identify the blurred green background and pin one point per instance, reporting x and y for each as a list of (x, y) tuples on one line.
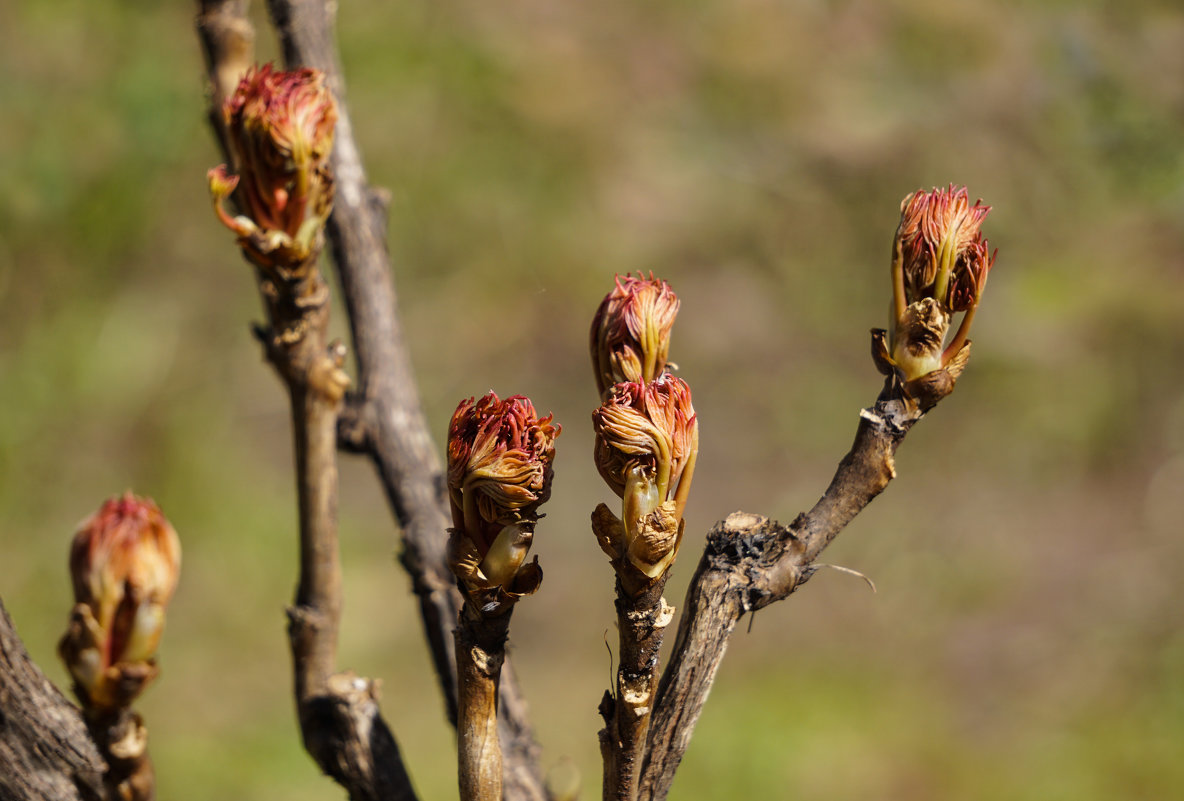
[(1025, 639)]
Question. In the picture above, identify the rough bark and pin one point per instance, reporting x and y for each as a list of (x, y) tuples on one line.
[(45, 751), (750, 562), (340, 721), (641, 622)]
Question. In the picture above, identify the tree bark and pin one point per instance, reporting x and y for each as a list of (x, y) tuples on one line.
[(45, 751), (750, 562)]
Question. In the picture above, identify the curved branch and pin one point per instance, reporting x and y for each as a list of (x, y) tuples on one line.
[(750, 562)]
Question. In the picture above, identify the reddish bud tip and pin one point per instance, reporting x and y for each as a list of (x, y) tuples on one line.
[(124, 564), (499, 472), (630, 338), (279, 128)]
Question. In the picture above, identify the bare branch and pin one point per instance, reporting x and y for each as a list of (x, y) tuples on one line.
[(386, 397), (387, 416), (750, 562), (339, 717), (228, 43), (45, 751)]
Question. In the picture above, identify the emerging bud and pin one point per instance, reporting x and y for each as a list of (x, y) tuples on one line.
[(936, 230), (939, 268), (499, 473), (630, 338), (647, 442), (279, 128), (124, 563)]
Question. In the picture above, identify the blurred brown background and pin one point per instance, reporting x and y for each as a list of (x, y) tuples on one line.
[(1024, 642)]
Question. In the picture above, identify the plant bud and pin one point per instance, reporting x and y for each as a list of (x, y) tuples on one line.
[(936, 229), (630, 338), (647, 441), (940, 267), (124, 564), (279, 128), (499, 473)]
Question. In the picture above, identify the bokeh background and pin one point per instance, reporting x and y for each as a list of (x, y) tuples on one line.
[(1025, 639)]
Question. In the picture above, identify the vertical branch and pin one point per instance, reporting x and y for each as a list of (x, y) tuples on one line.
[(339, 718), (384, 418), (480, 652), (228, 44), (297, 346), (387, 420), (340, 721), (641, 621)]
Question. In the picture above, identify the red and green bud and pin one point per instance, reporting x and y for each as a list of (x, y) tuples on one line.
[(647, 442), (936, 230), (124, 564), (279, 129), (939, 268), (630, 338), (500, 456)]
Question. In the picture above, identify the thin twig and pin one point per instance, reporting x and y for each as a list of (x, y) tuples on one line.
[(339, 718), (750, 562), (386, 401), (228, 43)]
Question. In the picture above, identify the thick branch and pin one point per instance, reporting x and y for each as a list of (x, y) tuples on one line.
[(751, 562), (45, 751), (387, 414)]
